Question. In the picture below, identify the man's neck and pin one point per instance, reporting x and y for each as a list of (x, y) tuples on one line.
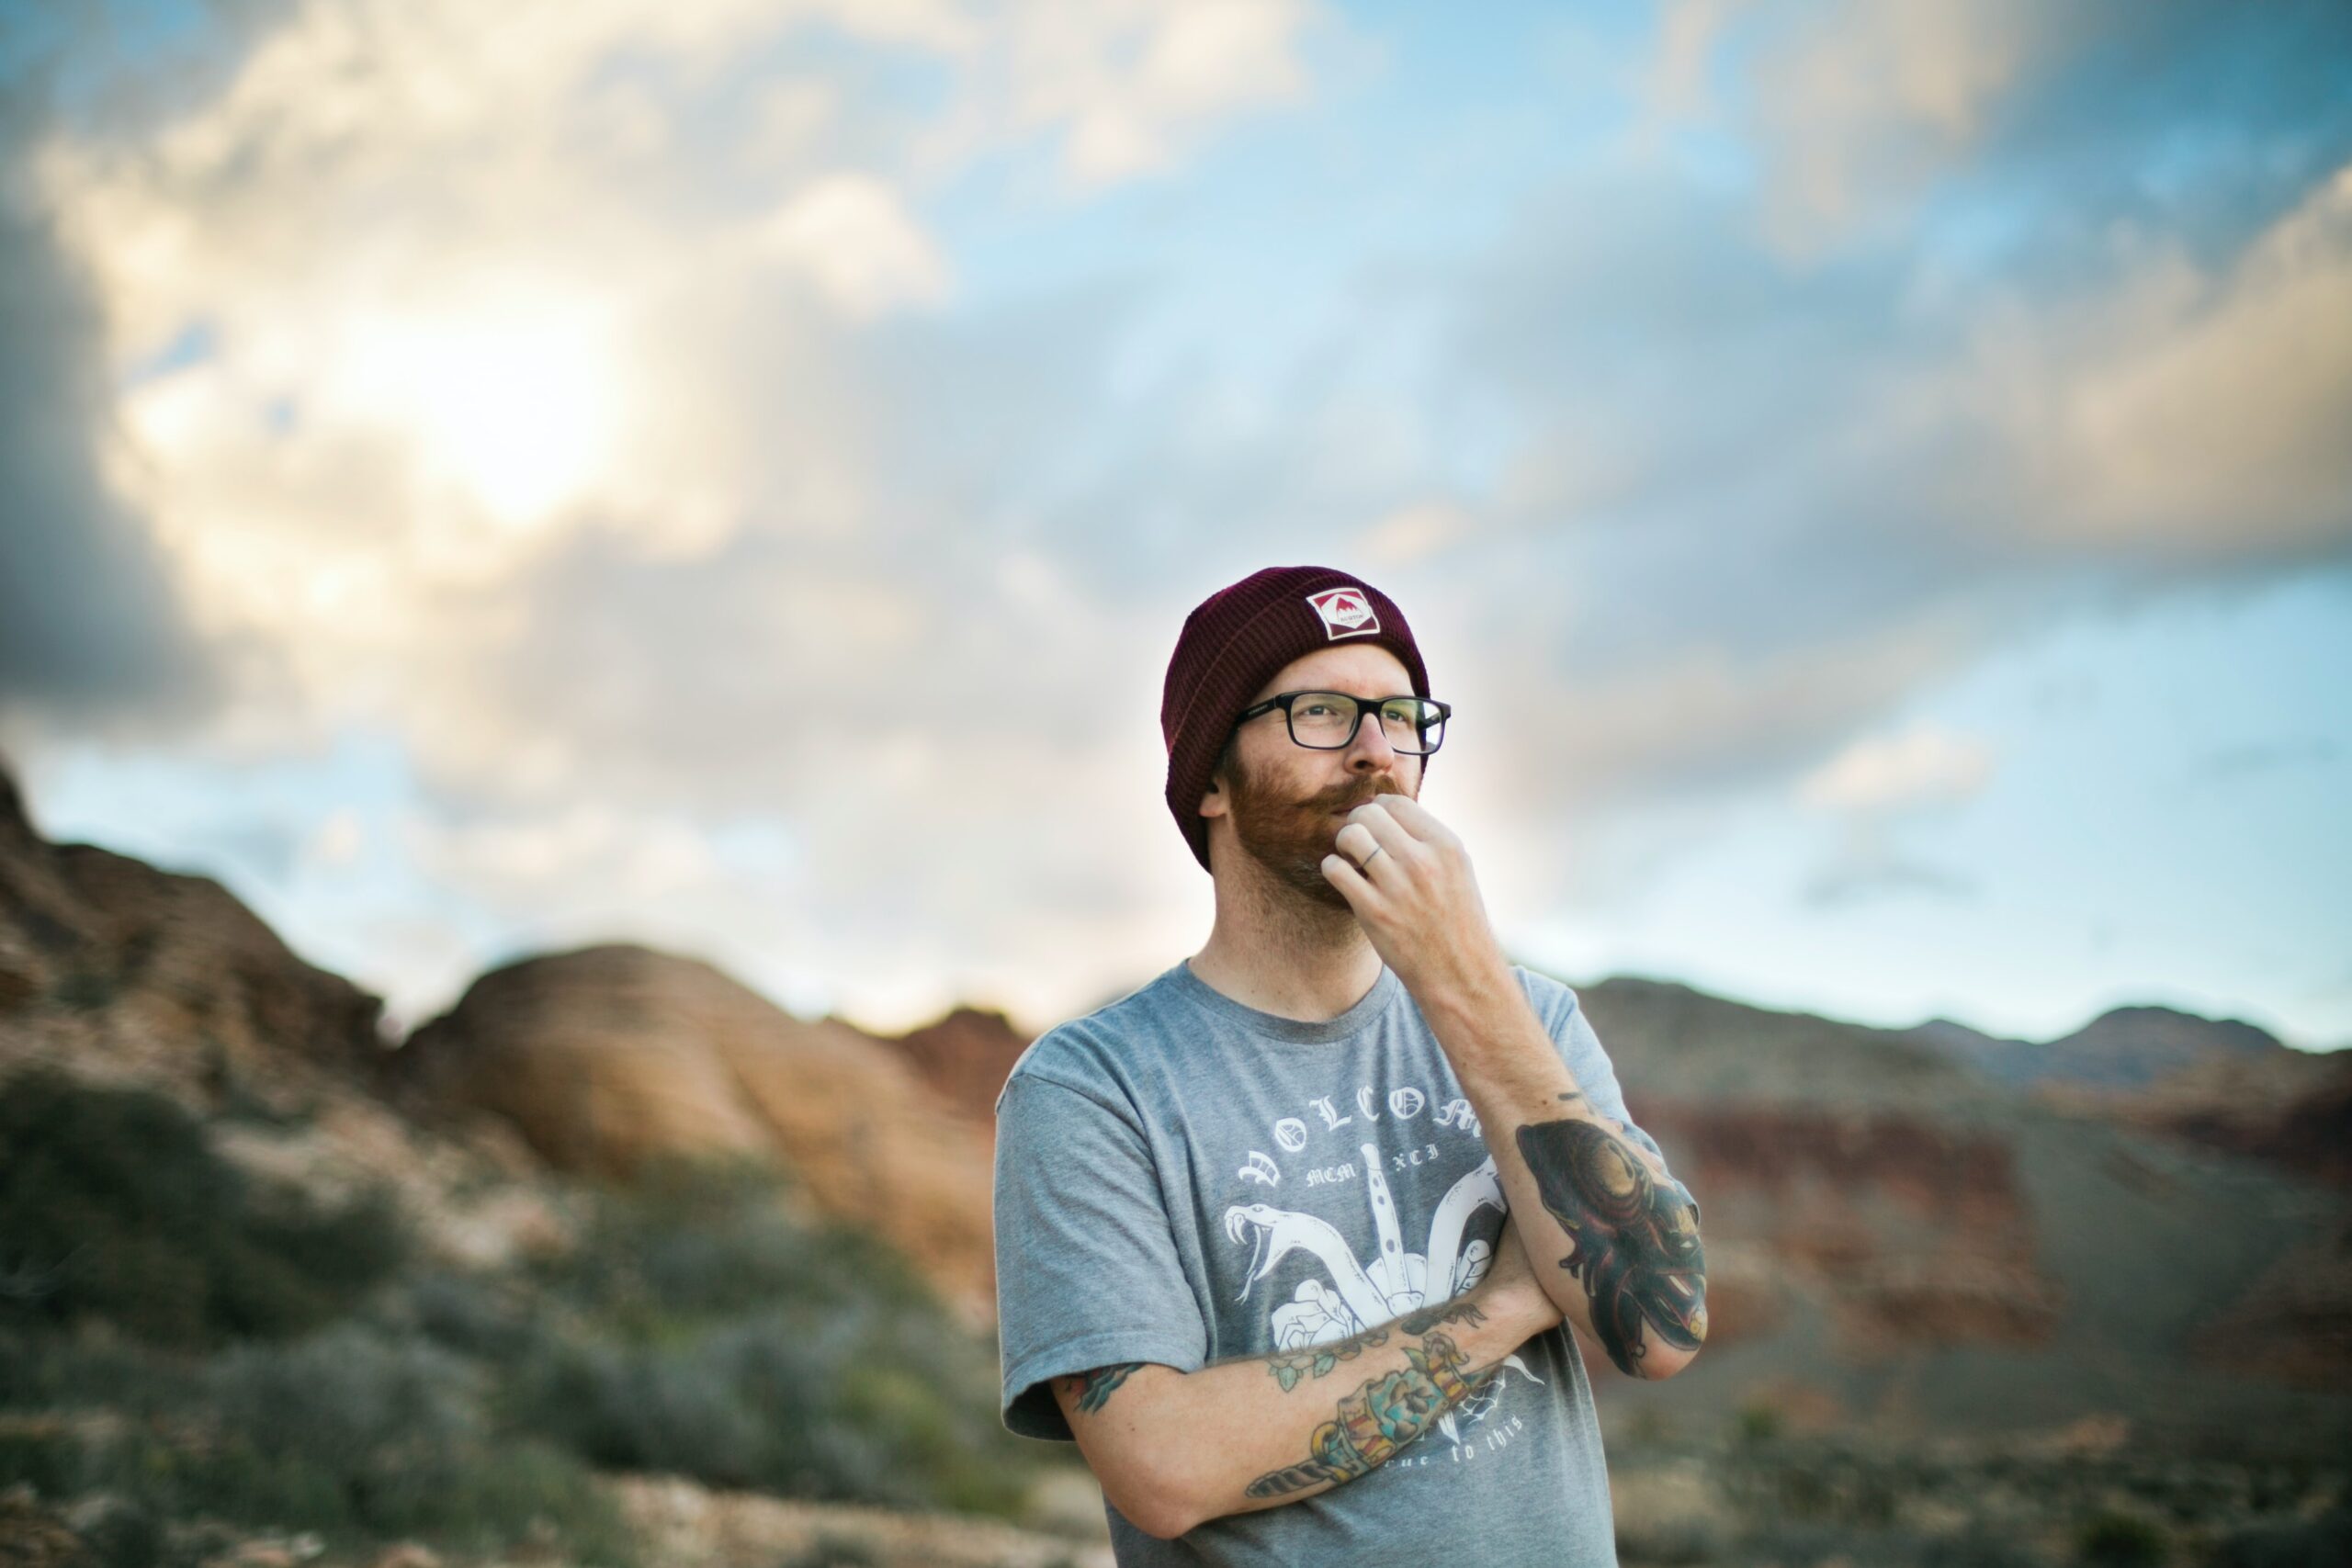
[(1275, 951)]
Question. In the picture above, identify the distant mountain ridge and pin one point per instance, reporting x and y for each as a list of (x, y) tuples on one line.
[(2124, 1048)]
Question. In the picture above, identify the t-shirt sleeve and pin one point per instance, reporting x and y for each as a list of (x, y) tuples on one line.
[(1086, 1273), (1588, 1063)]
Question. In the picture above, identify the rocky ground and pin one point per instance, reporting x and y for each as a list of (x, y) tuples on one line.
[(676, 1524)]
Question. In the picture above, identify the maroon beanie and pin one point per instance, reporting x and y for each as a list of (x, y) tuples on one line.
[(1235, 640)]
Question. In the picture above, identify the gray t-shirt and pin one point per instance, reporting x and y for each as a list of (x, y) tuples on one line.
[(1182, 1178)]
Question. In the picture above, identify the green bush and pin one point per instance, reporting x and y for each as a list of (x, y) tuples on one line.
[(362, 1439), (689, 1241), (697, 1329), (90, 1368), (841, 1404), (114, 1207), (720, 1339), (2322, 1542), (835, 1551), (1978, 1546), (1758, 1423), (2110, 1539)]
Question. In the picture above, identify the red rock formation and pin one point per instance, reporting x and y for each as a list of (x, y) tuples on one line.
[(133, 974), (2286, 1108), (1905, 1230), (965, 1056), (2294, 1323), (605, 1056)]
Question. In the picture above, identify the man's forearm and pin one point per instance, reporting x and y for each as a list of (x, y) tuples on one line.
[(1257, 1431), (1630, 1270)]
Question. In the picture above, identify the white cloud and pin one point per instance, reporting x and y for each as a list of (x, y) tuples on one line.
[(855, 240), (1858, 104), (1129, 85), (2198, 413), (541, 425), (1921, 764)]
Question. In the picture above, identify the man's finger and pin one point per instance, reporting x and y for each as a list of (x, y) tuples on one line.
[(1417, 818), (1352, 883), (1386, 830)]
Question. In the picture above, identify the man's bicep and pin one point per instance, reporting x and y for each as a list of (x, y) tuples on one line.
[(1086, 1398), (1088, 1273), (1596, 1075)]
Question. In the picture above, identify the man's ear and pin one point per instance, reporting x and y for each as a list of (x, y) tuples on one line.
[(1212, 802)]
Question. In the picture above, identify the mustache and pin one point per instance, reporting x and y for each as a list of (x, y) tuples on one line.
[(1348, 796)]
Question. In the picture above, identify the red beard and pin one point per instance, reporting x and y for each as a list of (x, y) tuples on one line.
[(1290, 837)]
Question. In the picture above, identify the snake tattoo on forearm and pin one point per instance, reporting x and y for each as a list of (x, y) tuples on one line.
[(1634, 1244)]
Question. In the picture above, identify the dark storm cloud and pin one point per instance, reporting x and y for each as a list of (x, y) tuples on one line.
[(89, 622), (2204, 121), (87, 617)]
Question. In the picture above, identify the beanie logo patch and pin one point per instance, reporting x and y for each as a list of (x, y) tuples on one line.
[(1345, 612)]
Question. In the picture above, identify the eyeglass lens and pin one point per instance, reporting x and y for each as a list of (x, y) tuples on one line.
[(1326, 720)]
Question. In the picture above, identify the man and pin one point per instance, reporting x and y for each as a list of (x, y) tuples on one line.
[(1286, 1239)]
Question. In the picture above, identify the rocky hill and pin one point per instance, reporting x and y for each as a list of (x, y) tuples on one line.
[(603, 1058), (1904, 1243), (965, 1056), (160, 979)]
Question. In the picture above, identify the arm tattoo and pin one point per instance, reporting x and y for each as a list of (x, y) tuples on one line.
[(1288, 1366), (1462, 1309), (1094, 1388), (1379, 1418), (1634, 1244)]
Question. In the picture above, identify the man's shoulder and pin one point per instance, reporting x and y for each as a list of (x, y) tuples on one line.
[(1553, 998), (1092, 1053)]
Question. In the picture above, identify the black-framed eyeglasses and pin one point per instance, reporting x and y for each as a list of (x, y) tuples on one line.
[(1327, 721)]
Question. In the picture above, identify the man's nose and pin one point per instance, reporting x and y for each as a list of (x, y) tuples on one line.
[(1371, 745)]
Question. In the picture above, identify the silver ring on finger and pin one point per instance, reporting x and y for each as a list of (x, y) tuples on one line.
[(1365, 863)]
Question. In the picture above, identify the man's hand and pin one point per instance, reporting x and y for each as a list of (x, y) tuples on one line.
[(1628, 1269), (1510, 1283), (1418, 902)]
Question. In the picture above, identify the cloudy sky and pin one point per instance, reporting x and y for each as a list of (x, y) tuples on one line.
[(1875, 479)]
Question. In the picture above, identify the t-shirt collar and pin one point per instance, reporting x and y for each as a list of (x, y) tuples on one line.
[(1376, 1001)]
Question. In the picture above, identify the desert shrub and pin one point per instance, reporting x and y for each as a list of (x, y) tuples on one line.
[(1978, 1546), (718, 1337), (2109, 1539), (1815, 1481), (357, 1436), (113, 1207), (1801, 1545), (57, 1371), (477, 1316), (1670, 1544), (124, 1534), (1758, 1423), (835, 1551), (695, 1240), (2322, 1542), (841, 1404)]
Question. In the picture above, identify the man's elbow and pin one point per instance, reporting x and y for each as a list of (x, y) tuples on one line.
[(1663, 1361), (1154, 1500), (1660, 1361)]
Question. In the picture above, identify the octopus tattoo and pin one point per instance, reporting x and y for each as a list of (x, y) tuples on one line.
[(1634, 1245), (1379, 1418)]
